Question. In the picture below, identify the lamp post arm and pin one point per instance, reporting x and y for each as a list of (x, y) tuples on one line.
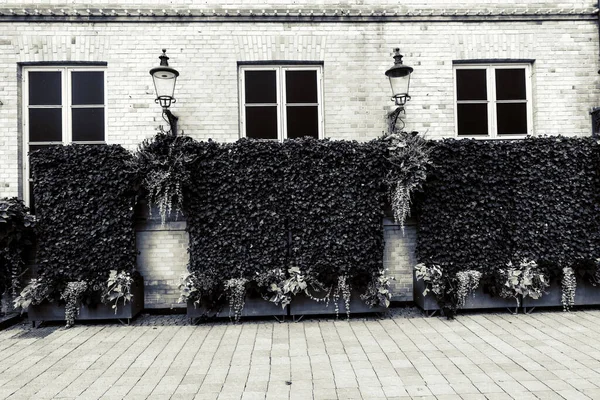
[(172, 120)]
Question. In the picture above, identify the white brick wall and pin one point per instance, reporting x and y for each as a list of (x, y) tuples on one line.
[(356, 92), (162, 260)]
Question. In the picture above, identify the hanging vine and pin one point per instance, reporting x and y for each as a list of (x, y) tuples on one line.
[(569, 286)]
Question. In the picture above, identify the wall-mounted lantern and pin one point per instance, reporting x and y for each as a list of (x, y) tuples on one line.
[(164, 78), (399, 76)]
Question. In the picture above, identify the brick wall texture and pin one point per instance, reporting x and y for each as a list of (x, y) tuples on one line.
[(353, 41)]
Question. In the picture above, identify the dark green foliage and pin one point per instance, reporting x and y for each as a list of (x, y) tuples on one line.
[(235, 212), (488, 202), (16, 233), (84, 196), (256, 206), (334, 195)]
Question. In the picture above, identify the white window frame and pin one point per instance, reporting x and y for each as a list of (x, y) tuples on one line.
[(66, 107), (281, 95), (491, 99)]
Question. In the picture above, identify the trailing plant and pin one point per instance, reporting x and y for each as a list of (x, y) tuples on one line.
[(84, 197), (449, 291), (163, 161), (342, 290), (72, 295), (467, 282), (235, 289), (409, 158), (118, 287), (523, 280), (568, 286), (378, 292), (16, 234)]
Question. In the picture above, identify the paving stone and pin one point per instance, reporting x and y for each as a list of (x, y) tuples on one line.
[(158, 357)]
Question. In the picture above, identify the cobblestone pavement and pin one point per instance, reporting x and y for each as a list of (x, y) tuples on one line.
[(545, 355)]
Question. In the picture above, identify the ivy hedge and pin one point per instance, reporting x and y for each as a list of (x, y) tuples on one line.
[(490, 202), (84, 197), (16, 235), (256, 207)]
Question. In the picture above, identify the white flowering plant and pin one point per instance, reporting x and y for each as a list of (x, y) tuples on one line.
[(467, 282), (72, 295), (569, 286), (235, 288)]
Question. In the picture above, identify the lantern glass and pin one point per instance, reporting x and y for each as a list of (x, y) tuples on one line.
[(400, 85), (164, 84)]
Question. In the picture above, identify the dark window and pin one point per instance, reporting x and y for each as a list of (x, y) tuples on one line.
[(491, 101), (261, 122), (512, 118), (302, 121), (281, 102), (45, 89), (301, 86), (87, 87), (45, 124), (88, 124), (472, 119), (510, 84), (471, 84)]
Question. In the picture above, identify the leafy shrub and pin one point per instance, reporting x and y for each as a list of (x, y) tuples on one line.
[(235, 210), (257, 207), (84, 197), (488, 203), (16, 233)]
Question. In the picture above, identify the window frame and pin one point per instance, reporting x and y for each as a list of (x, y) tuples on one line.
[(490, 68), (66, 107), (281, 95)]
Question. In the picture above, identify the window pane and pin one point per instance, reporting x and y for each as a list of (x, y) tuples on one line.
[(471, 84), (88, 124), (510, 84), (261, 122), (261, 87), (44, 89), (45, 125), (301, 86), (512, 118), (472, 119), (87, 87), (302, 121)]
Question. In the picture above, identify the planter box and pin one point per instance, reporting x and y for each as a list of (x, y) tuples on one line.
[(302, 305), (481, 300), (586, 294), (253, 307), (56, 312)]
